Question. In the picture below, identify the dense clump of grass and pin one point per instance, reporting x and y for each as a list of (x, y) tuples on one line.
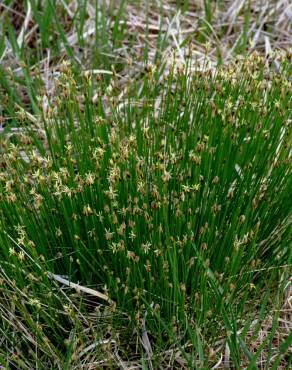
[(171, 199)]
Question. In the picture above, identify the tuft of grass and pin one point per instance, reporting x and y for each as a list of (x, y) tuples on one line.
[(169, 199), (145, 169)]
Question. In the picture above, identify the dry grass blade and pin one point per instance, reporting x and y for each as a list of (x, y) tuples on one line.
[(81, 288), (146, 342)]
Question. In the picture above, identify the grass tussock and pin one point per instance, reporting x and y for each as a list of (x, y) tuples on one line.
[(145, 176), (171, 204)]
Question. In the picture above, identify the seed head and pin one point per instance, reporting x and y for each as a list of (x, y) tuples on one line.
[(87, 211)]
